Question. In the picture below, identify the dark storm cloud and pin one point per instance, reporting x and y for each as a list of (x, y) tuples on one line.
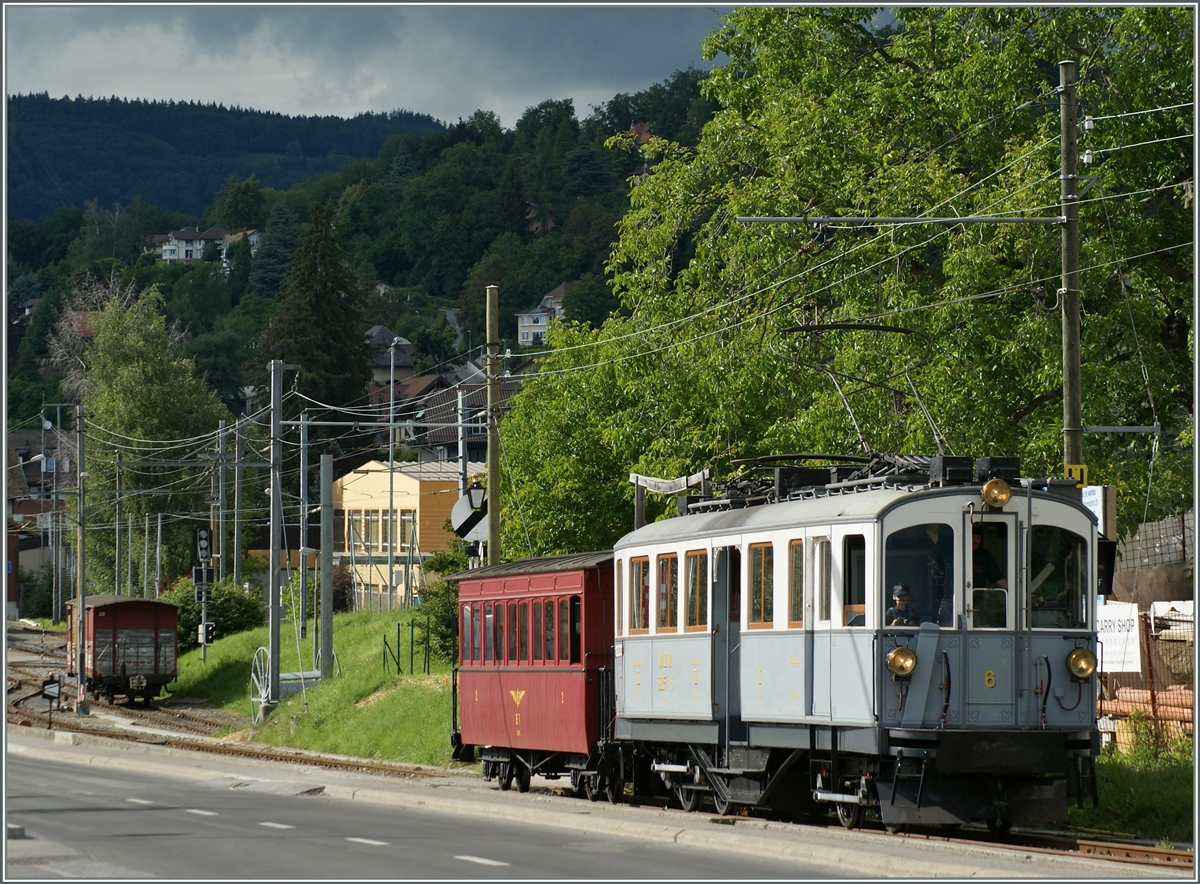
[(447, 61)]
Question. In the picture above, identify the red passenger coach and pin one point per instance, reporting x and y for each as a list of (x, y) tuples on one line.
[(535, 658), (131, 645)]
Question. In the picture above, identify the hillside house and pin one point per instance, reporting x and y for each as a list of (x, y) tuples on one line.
[(532, 324), (186, 244)]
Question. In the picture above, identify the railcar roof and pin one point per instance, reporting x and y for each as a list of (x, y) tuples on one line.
[(103, 600), (827, 509), (539, 565)]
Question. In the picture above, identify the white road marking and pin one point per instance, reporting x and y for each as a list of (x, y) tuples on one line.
[(479, 860), (368, 841), (138, 801), (200, 812), (277, 825)]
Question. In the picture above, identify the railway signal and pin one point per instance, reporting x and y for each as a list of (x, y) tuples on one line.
[(204, 544), (206, 633)]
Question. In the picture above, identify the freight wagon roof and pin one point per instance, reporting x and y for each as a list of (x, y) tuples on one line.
[(540, 565), (821, 510), (100, 601)]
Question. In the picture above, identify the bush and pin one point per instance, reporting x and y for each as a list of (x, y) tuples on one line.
[(230, 607), (439, 601), (37, 593), (343, 589)]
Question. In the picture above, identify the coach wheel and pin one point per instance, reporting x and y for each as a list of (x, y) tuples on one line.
[(614, 788), (999, 826), (724, 806), (893, 828), (850, 815), (578, 784), (523, 776), (593, 786), (505, 776), (689, 799)]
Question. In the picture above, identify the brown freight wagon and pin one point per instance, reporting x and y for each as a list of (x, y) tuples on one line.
[(131, 648)]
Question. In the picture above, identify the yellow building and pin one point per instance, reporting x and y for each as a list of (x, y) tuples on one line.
[(413, 527)]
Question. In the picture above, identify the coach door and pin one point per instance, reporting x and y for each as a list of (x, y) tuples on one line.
[(727, 633)]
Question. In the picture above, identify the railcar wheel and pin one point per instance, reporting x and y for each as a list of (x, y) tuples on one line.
[(578, 784), (614, 788), (999, 826), (850, 815), (689, 799), (724, 806), (505, 776), (523, 775), (594, 787), (893, 828)]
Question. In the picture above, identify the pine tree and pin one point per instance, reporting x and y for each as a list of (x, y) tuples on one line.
[(282, 237)]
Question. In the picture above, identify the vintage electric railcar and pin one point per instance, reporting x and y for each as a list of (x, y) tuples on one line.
[(759, 658), (131, 645)]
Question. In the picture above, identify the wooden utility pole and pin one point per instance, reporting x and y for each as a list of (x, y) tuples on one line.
[(493, 410), (1073, 464), (80, 569)]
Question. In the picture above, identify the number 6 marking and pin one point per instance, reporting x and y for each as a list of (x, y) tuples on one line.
[(989, 678)]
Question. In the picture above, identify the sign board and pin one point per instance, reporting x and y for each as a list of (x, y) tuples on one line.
[(469, 524), (202, 576), (1121, 649), (1102, 501), (51, 688)]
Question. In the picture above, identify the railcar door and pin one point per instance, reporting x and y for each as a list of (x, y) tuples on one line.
[(727, 627), (989, 612)]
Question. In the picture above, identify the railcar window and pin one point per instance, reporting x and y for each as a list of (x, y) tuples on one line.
[(564, 632), (499, 632), (668, 593), (537, 630), (920, 560), (523, 633), (823, 577), (1057, 579), (512, 632), (854, 580), (475, 617), (697, 590), (620, 604), (796, 583), (550, 630), (639, 595), (576, 629), (989, 576), (489, 630), (762, 585), (465, 642)]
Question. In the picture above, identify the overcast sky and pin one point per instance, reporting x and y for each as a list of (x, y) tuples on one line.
[(446, 61)]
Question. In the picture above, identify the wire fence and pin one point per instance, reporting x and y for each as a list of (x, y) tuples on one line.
[(1167, 542)]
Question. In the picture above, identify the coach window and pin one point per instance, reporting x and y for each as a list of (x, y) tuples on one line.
[(498, 635), (489, 630), (476, 616), (920, 559), (639, 596), (697, 591), (1057, 579), (576, 629), (854, 580), (620, 604), (550, 630), (523, 633), (537, 630), (762, 585), (512, 632), (466, 634), (796, 584), (822, 578), (564, 631), (668, 593)]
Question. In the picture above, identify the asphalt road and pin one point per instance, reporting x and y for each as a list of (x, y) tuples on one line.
[(109, 822), (93, 807)]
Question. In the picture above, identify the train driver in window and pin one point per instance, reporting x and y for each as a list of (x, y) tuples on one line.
[(900, 614), (985, 571)]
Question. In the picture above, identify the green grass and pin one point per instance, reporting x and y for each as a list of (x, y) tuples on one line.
[(1146, 793), (365, 712)]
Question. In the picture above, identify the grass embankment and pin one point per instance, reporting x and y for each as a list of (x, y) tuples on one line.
[(1145, 793), (365, 711)]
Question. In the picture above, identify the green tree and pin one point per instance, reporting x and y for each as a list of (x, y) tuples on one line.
[(953, 111), (230, 607), (281, 239), (241, 205), (141, 398), (318, 321)]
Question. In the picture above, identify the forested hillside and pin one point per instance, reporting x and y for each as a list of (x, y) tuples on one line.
[(422, 225), (64, 151)]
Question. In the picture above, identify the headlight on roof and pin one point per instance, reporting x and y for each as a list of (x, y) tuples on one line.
[(901, 661), (1081, 663), (996, 493)]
